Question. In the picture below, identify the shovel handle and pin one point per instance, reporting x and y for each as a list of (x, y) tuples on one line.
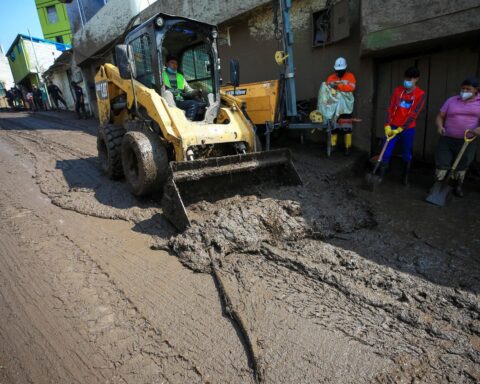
[(467, 141), (384, 148)]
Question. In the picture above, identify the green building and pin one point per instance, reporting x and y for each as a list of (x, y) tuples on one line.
[(54, 21), (29, 57)]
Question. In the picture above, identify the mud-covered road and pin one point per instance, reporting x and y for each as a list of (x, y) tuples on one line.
[(322, 283)]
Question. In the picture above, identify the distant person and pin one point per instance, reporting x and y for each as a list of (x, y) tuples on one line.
[(44, 98), (342, 81), (457, 115), (406, 104), (79, 100), (30, 102), (37, 98), (10, 98), (56, 95)]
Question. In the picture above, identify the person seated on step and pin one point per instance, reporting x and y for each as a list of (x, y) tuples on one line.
[(175, 82), (345, 82)]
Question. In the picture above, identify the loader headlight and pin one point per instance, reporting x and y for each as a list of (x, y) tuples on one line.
[(214, 34), (159, 22)]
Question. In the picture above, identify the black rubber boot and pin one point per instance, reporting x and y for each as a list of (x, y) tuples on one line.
[(382, 170), (458, 190), (406, 172)]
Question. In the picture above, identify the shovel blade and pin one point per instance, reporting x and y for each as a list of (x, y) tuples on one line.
[(439, 194)]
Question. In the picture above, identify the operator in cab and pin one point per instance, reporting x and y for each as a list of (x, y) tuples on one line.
[(175, 82)]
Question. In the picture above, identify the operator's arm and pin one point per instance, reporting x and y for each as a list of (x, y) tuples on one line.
[(188, 89), (440, 121)]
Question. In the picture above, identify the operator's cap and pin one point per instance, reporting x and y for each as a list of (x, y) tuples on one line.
[(340, 64), (170, 58)]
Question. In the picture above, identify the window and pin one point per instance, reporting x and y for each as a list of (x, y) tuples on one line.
[(197, 67), (12, 55), (142, 53), (59, 39), (52, 16), (331, 23), (19, 48)]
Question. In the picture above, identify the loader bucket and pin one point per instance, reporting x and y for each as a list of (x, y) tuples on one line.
[(220, 177)]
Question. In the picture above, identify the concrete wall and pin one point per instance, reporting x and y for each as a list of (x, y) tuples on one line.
[(390, 24), (250, 40), (105, 27), (210, 11), (6, 76)]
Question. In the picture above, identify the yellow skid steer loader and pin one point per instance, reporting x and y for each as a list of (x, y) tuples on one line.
[(147, 138)]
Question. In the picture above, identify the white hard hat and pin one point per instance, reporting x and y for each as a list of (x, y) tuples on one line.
[(340, 64)]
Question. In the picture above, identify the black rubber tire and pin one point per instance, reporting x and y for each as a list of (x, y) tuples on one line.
[(258, 144), (109, 144), (145, 162)]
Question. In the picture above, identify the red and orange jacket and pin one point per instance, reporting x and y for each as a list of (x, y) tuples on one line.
[(348, 81), (405, 107)]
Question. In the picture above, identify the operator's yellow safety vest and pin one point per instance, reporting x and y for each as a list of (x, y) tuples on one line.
[(180, 83)]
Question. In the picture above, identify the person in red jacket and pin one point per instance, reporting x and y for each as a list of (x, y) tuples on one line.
[(342, 81), (405, 106)]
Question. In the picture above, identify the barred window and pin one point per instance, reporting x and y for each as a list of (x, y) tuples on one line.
[(197, 67), (52, 15), (143, 56)]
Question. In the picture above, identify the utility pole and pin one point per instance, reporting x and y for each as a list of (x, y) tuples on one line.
[(40, 83)]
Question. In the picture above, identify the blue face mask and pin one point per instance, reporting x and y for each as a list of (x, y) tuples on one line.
[(170, 70), (408, 84)]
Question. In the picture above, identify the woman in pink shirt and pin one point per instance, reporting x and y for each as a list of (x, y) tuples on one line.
[(458, 114)]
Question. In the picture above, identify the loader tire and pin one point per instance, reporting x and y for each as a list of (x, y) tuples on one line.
[(145, 162), (109, 144)]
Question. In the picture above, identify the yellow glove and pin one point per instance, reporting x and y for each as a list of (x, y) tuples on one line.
[(388, 130), (397, 131)]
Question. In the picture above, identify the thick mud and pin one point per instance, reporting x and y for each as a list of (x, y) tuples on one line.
[(313, 259), (324, 282)]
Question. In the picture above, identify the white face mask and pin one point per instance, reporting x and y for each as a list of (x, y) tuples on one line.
[(466, 95)]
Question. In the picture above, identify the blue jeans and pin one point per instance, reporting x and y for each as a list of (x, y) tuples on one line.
[(190, 107), (406, 138)]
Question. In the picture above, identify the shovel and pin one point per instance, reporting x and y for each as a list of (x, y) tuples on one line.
[(440, 191), (371, 178)]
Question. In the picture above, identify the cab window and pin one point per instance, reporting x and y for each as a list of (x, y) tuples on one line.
[(142, 52), (197, 67)]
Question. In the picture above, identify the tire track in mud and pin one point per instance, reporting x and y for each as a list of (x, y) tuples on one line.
[(129, 348), (72, 180)]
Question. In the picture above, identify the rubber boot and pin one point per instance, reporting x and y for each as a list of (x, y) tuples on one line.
[(406, 172), (333, 141), (348, 143), (458, 190), (382, 170)]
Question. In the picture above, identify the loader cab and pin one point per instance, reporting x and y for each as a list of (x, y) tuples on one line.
[(193, 43)]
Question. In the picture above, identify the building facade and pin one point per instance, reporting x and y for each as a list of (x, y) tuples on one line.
[(30, 57), (54, 21)]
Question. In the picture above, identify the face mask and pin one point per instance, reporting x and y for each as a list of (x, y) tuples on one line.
[(170, 70), (408, 84), (466, 95), (340, 73)]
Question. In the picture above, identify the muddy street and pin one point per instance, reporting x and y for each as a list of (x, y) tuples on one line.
[(324, 282)]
